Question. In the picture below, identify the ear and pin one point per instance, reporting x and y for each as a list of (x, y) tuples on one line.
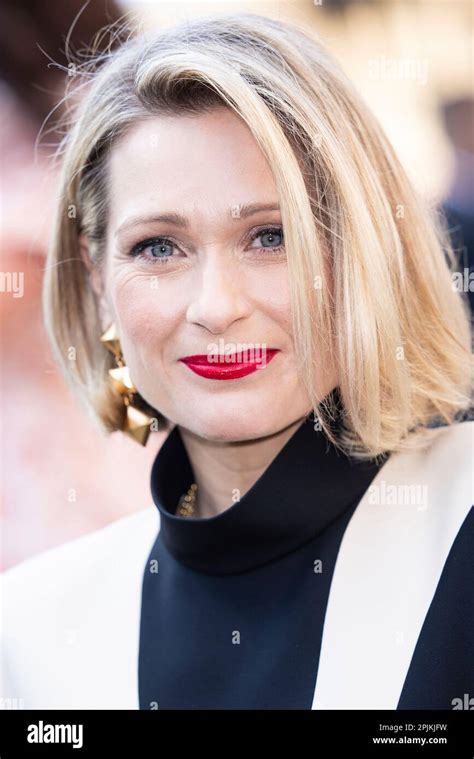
[(94, 271)]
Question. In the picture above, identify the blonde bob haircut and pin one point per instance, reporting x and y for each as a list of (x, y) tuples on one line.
[(369, 262)]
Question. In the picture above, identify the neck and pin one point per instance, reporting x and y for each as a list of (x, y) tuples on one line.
[(226, 471)]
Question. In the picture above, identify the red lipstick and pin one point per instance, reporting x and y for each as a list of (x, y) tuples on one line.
[(228, 366)]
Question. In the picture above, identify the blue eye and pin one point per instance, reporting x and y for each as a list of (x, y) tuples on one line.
[(162, 249), (159, 247), (271, 238)]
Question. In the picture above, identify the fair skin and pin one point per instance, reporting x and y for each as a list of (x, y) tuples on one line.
[(222, 276)]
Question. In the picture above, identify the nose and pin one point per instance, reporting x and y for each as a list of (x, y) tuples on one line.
[(220, 297)]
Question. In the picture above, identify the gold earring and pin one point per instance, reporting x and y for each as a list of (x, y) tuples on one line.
[(137, 422)]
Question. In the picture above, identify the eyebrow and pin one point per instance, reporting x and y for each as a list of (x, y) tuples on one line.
[(237, 211)]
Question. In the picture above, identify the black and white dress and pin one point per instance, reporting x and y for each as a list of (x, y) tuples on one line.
[(330, 584)]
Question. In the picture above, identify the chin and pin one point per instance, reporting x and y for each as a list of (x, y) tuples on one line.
[(232, 425)]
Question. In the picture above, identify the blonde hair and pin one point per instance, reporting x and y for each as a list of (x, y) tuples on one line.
[(368, 260)]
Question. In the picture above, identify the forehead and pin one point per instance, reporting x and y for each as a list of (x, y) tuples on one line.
[(189, 163)]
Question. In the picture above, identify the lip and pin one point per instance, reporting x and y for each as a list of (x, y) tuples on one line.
[(224, 367)]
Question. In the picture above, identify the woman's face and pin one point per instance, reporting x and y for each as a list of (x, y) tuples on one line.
[(196, 269)]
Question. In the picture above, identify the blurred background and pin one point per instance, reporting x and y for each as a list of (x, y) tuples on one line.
[(412, 61)]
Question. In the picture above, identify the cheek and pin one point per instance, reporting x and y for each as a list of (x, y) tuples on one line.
[(272, 293), (146, 311)]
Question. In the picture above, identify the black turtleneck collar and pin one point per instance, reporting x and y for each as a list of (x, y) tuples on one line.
[(307, 486)]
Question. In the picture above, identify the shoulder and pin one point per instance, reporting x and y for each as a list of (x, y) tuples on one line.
[(70, 615), (436, 477), (80, 568), (60, 564), (460, 434), (407, 549), (445, 460), (422, 497), (419, 501)]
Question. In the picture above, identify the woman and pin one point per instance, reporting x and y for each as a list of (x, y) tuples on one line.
[(238, 255)]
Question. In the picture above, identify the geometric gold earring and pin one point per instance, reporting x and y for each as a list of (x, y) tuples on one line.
[(136, 422)]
